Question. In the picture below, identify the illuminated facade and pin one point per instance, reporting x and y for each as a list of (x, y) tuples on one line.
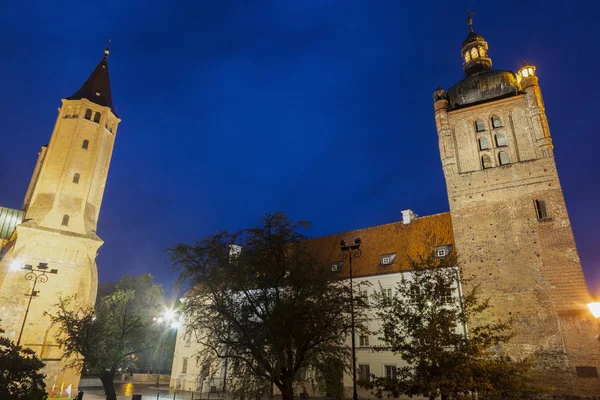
[(57, 223), (508, 224)]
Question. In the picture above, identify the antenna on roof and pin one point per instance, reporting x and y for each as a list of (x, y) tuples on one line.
[(107, 50)]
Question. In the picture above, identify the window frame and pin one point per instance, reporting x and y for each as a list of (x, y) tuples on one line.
[(366, 368), (88, 114), (489, 159), (65, 220), (76, 178), (363, 341), (394, 375), (541, 210), (503, 137), (487, 143), (85, 145), (184, 365), (97, 117), (500, 161), (479, 120), (497, 118)]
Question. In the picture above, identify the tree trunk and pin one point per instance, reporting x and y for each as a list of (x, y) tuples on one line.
[(108, 384), (287, 390)]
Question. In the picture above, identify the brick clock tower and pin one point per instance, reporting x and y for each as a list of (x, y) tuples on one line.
[(511, 227), (57, 224)]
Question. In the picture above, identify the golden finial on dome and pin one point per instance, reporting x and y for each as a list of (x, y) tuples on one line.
[(107, 50), (470, 16)]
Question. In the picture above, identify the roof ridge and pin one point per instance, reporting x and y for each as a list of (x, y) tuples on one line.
[(378, 226)]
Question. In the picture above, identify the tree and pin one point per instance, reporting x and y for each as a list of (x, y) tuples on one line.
[(425, 321), (264, 306), (20, 377), (109, 338)]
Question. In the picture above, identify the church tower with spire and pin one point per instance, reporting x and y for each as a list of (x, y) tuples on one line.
[(56, 228), (511, 228)]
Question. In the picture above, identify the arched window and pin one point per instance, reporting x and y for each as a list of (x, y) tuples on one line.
[(65, 220), (85, 144), (474, 53), (97, 117), (76, 178), (88, 114), (496, 121), (486, 161), (484, 144), (467, 57), (500, 140), (479, 125), (481, 51), (503, 158)]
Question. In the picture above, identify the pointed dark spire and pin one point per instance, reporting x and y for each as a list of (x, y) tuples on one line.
[(97, 87)]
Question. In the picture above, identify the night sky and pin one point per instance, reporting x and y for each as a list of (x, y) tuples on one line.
[(320, 109)]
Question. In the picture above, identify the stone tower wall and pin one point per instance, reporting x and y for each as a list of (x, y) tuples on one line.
[(529, 268)]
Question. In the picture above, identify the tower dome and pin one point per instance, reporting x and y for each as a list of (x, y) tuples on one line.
[(474, 52)]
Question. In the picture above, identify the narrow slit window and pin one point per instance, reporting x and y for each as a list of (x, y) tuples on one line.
[(503, 158), (184, 366), (364, 372), (88, 114), (484, 143), (496, 121), (479, 125), (65, 220), (500, 140), (541, 210), (76, 178), (486, 162), (86, 144), (97, 117)]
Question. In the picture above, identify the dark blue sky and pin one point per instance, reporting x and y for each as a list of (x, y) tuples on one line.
[(321, 109)]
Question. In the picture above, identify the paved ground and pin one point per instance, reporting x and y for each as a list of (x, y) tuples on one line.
[(148, 392)]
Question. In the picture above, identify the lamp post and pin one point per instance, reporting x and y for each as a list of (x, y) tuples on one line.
[(348, 252), (36, 275)]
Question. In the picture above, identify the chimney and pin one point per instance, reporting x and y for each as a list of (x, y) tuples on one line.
[(407, 216)]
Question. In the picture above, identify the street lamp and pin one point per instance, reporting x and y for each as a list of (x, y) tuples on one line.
[(171, 321), (36, 275), (595, 308), (348, 252)]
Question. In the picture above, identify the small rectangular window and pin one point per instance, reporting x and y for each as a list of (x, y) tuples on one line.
[(441, 251), (496, 122), (364, 372), (363, 341), (541, 210), (479, 126), (387, 293), (387, 259), (184, 366), (337, 266)]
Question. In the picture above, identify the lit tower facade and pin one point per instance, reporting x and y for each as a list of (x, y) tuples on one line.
[(511, 228), (58, 221)]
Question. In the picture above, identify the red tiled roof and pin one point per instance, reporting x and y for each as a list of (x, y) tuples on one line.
[(407, 241)]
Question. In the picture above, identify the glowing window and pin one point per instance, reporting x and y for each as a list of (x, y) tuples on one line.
[(479, 125), (525, 73), (486, 162), (503, 158), (88, 114), (85, 144), (530, 71), (484, 144), (500, 140), (474, 53), (467, 57), (65, 220), (97, 117), (481, 51), (76, 178)]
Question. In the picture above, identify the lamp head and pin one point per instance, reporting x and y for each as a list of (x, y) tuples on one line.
[(43, 266), (343, 242), (357, 240)]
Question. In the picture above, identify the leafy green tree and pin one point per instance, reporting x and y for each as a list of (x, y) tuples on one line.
[(109, 338), (425, 322), (20, 377), (268, 308)]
